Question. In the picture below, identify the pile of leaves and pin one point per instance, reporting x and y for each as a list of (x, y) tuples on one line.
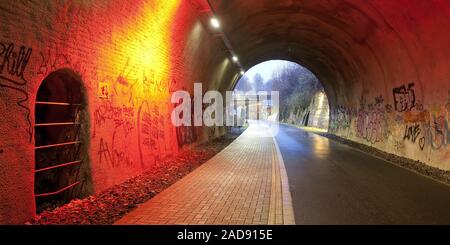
[(113, 203)]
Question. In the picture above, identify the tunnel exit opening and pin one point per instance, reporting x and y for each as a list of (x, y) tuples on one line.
[(62, 170), (302, 98)]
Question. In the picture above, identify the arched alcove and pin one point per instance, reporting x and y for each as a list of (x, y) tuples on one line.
[(62, 169)]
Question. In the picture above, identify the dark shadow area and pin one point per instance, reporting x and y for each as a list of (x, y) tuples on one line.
[(302, 99)]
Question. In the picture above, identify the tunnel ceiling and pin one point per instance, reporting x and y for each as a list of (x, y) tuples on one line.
[(347, 44)]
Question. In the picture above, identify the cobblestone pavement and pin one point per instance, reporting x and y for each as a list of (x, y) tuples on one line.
[(246, 183)]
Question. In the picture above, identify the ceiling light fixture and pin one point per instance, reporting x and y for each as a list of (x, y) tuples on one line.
[(215, 23)]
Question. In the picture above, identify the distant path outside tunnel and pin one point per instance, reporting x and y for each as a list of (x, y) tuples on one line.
[(332, 183), (245, 183)]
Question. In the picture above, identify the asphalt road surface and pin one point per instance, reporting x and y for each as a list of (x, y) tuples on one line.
[(332, 183)]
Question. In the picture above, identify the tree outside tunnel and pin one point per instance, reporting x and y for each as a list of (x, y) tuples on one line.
[(62, 167), (302, 99)]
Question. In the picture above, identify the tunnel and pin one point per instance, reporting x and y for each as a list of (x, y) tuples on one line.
[(383, 64), (302, 99)]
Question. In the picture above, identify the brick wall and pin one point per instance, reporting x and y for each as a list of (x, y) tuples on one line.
[(129, 56)]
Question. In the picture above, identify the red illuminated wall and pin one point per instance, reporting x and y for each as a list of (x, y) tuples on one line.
[(384, 65), (129, 54)]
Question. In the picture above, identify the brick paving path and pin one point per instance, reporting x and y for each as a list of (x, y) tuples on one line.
[(246, 183)]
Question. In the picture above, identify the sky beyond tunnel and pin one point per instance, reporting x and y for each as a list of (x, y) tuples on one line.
[(266, 69)]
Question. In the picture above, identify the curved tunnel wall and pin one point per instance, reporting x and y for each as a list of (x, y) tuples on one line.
[(384, 64), (132, 54)]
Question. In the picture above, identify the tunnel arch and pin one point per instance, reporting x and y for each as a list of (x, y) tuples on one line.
[(315, 34), (370, 58), (62, 168), (313, 107)]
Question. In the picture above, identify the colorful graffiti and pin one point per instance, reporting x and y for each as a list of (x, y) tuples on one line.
[(371, 122), (425, 127)]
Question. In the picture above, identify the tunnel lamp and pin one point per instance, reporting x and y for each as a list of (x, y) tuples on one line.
[(215, 23), (242, 72), (235, 58)]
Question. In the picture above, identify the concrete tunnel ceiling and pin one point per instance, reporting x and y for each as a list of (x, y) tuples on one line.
[(353, 47)]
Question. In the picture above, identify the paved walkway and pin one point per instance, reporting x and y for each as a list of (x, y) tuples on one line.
[(246, 183)]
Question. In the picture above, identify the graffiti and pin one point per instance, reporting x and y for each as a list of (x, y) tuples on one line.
[(212, 132), (14, 63), (151, 135), (121, 116), (410, 117), (418, 105), (388, 108), (133, 78), (141, 152), (370, 126), (114, 158), (173, 86), (53, 58), (158, 84), (404, 97), (12, 75), (438, 132), (399, 145), (103, 90), (422, 143), (135, 86), (121, 120), (104, 152), (342, 118), (187, 134), (122, 85), (448, 98), (412, 133), (120, 156), (370, 122), (151, 128), (379, 101)]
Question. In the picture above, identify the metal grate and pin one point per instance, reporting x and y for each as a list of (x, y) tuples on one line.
[(58, 141)]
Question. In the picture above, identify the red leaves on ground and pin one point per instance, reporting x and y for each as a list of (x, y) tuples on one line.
[(110, 205)]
